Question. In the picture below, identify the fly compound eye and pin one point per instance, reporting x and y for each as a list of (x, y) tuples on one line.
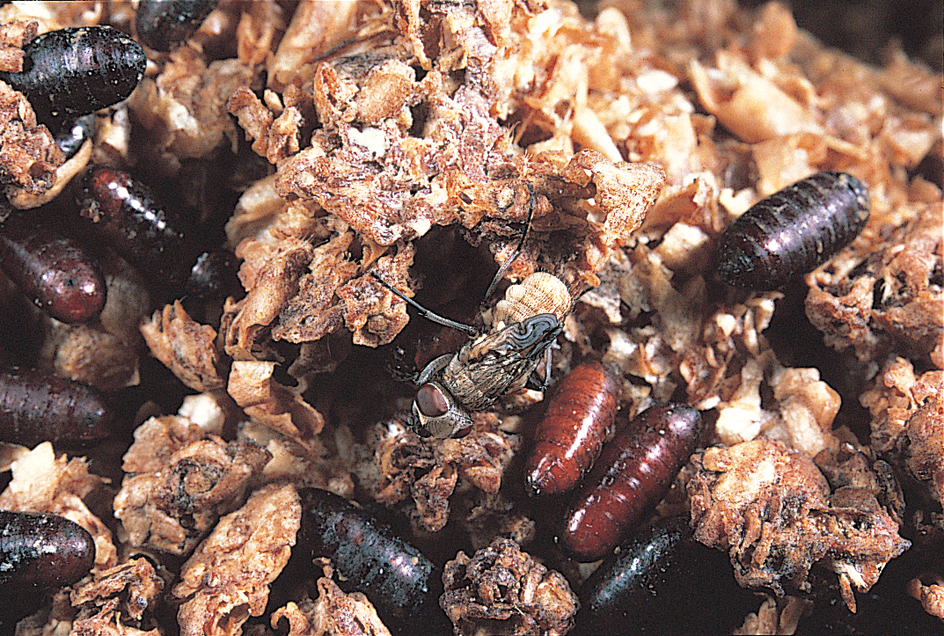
[(436, 414), (431, 401)]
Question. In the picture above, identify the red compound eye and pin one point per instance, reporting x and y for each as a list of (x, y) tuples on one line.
[(431, 401)]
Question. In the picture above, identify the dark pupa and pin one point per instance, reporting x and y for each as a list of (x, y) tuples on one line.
[(51, 267), (127, 215), (42, 551), (578, 421), (632, 475), (36, 407), (166, 24), (402, 584), (663, 582), (76, 71), (792, 231)]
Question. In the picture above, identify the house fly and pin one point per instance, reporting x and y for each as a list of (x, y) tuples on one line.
[(523, 326)]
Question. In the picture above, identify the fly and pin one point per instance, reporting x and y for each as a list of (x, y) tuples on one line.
[(524, 325)]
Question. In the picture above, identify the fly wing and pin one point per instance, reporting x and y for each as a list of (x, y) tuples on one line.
[(488, 367)]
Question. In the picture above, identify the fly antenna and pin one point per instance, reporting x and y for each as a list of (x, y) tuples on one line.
[(424, 312), (511, 259)]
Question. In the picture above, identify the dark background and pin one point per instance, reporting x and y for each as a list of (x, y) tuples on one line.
[(862, 28), (865, 28)]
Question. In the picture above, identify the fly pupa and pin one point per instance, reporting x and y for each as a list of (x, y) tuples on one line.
[(793, 231)]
